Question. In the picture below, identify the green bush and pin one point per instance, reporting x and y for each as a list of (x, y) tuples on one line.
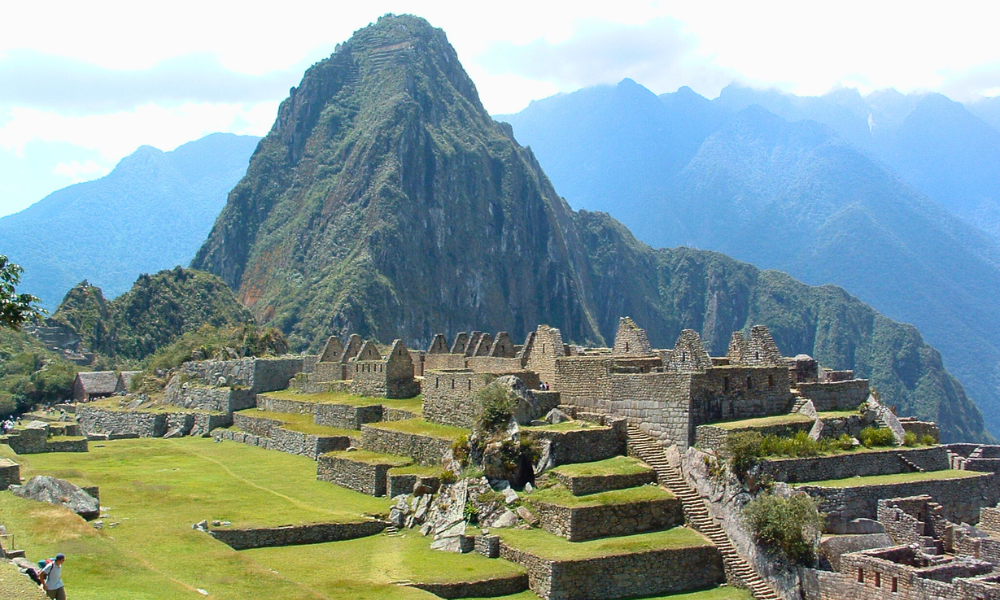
[(460, 450), (789, 525), (910, 439), (743, 448), (927, 440), (7, 405), (494, 406), (877, 436), (845, 442), (447, 476)]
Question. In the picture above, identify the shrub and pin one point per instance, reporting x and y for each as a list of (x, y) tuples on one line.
[(447, 477), (877, 436), (494, 407), (910, 439), (845, 442), (743, 448), (470, 513), (789, 525), (927, 440), (460, 450)]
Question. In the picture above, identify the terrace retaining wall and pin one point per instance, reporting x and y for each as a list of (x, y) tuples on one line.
[(424, 449), (360, 476), (296, 535), (578, 524), (582, 485), (850, 464)]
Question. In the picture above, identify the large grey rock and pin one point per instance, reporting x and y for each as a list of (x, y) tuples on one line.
[(557, 416), (62, 493), (506, 519), (526, 409)]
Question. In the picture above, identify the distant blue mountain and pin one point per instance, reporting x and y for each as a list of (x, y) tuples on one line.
[(827, 189), (152, 212)]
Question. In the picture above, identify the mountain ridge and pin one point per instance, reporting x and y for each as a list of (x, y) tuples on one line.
[(386, 202)]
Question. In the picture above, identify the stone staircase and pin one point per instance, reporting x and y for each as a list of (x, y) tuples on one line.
[(799, 403), (914, 468), (695, 511)]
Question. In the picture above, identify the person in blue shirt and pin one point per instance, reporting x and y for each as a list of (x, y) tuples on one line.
[(51, 577)]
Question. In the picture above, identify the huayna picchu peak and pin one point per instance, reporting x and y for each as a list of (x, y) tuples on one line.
[(386, 201)]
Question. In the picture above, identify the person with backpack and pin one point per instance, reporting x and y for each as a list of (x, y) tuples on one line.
[(51, 576)]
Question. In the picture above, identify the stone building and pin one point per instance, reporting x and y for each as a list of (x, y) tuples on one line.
[(94, 385), (389, 376)]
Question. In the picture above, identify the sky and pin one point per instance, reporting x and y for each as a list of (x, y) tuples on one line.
[(83, 84)]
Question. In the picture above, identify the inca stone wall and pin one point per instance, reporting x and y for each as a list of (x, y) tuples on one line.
[(364, 477), (255, 374), (444, 362), (281, 439), (494, 587), (296, 535), (10, 473), (494, 364), (342, 416), (448, 396), (961, 499), (586, 445), (424, 449), (203, 397), (403, 483), (582, 485), (541, 351), (578, 524), (584, 381), (143, 424), (861, 464), (642, 574), (840, 395), (658, 403)]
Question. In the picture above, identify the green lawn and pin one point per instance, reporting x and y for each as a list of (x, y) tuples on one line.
[(374, 458), (717, 593), (618, 465), (300, 422), (115, 403), (561, 496), (789, 419), (838, 414), (155, 489), (414, 405), (422, 427), (891, 479), (564, 426), (14, 586), (415, 469), (378, 560), (552, 547)]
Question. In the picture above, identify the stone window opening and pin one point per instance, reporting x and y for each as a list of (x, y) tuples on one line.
[(895, 585), (725, 384), (437, 382), (861, 575), (756, 355), (626, 346), (470, 385), (452, 384), (770, 381), (684, 356), (749, 382), (878, 579)]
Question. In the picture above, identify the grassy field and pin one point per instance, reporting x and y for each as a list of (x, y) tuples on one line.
[(14, 586), (155, 489), (564, 426), (422, 427), (552, 547), (789, 419), (300, 422), (891, 479), (618, 465), (561, 496), (414, 405), (374, 458)]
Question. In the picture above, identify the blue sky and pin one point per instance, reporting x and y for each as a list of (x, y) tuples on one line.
[(83, 84)]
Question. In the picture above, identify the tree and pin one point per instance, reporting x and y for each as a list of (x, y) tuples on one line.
[(15, 308)]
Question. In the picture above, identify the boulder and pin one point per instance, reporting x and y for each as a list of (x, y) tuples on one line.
[(60, 492), (557, 416), (526, 408)]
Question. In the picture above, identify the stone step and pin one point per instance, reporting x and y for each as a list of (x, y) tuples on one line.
[(698, 515)]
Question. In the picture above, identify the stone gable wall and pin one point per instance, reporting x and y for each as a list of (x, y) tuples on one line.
[(496, 364), (583, 381), (296, 535), (444, 362), (546, 347), (658, 403), (590, 522)]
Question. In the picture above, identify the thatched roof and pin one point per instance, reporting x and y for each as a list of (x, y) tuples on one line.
[(98, 382)]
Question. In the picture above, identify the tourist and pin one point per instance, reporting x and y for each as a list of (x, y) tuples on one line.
[(52, 578)]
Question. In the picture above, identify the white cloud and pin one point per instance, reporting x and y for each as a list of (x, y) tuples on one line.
[(77, 171)]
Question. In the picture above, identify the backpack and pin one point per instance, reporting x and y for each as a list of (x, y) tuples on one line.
[(43, 564)]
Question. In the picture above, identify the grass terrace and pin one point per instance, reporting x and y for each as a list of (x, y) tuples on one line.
[(893, 479), (721, 592), (561, 496), (374, 458), (564, 426), (774, 420), (422, 427), (301, 422), (414, 405), (114, 403), (618, 465), (14, 586), (552, 547), (377, 561), (415, 469)]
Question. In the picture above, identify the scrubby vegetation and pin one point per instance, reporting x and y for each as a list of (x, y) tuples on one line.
[(494, 406), (789, 525), (30, 374), (878, 436)]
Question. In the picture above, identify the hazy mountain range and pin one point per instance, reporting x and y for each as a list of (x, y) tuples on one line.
[(819, 200), (151, 212)]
